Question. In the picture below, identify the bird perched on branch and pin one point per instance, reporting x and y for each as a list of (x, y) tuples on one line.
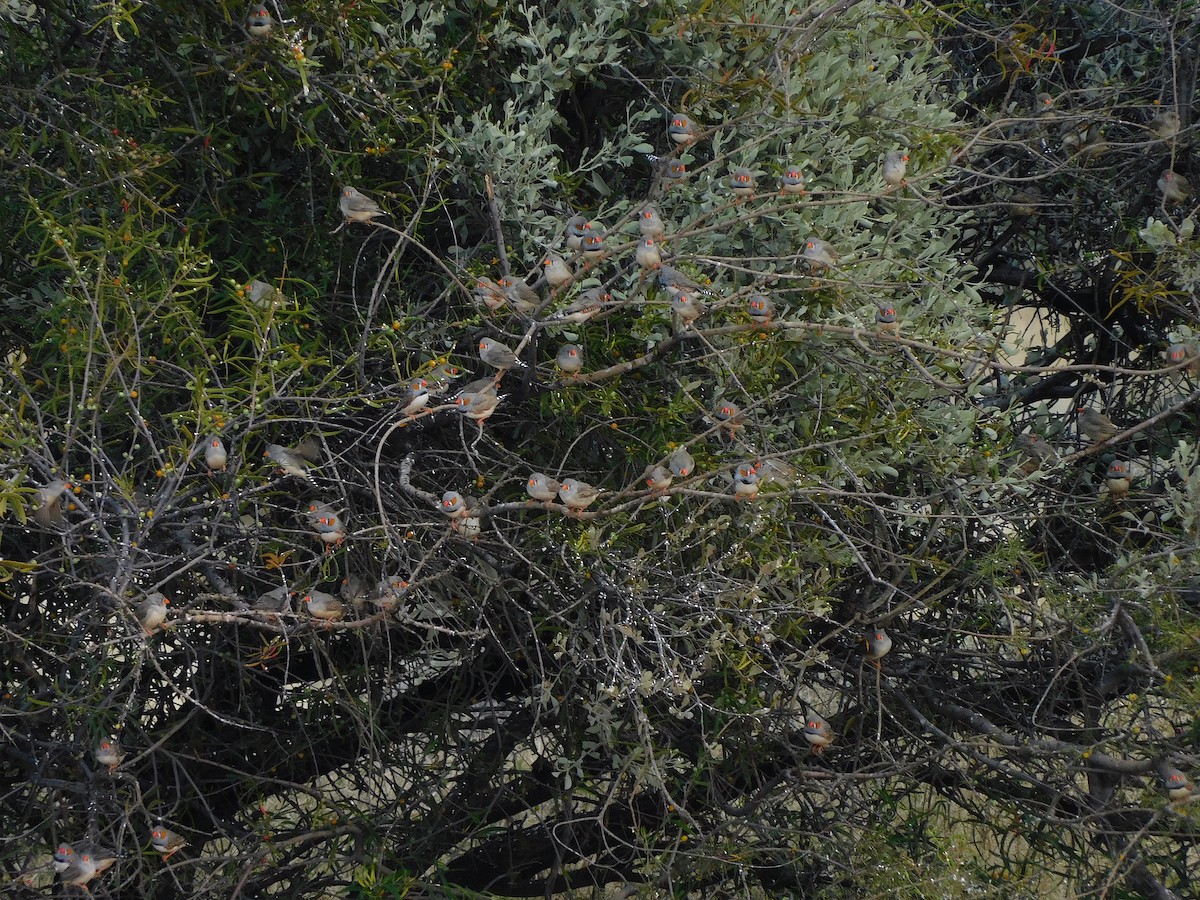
[(489, 293), (289, 461), (675, 172), (818, 733), (650, 223), (1118, 479), (47, 508), (586, 305), (152, 611), (895, 166), (681, 463), (415, 397), (325, 607), (682, 130), (520, 294), (878, 644), (1095, 425), (558, 273), (886, 321), (689, 308), (577, 495), (216, 457), (358, 207), (1175, 188), (1165, 125), (745, 482), (324, 520), (761, 309), (542, 487), (570, 358), (1175, 784), (259, 21), (576, 230), (792, 181), (498, 355), (1177, 354), (166, 841), (109, 753), (819, 254), (647, 254), (1033, 451), (742, 182), (658, 479)]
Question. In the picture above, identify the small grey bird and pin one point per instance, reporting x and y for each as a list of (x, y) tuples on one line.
[(742, 182), (1175, 783), (259, 21), (489, 293), (440, 377), (215, 455), (1175, 188), (895, 167), (1177, 354), (650, 223), (688, 307), (264, 295), (792, 181), (47, 508), (415, 397), (558, 273), (775, 470), (887, 321), (576, 231), (80, 871), (388, 593), (152, 611), (570, 358), (109, 752), (761, 309), (658, 479), (1095, 425), (325, 521), (165, 841), (586, 305), (520, 294), (818, 733), (289, 461), (682, 130), (878, 643), (577, 495), (542, 487), (498, 355), (675, 282), (64, 855), (819, 254), (1118, 478), (647, 254), (1033, 451), (681, 462), (477, 405), (594, 247), (729, 418), (277, 600), (675, 172), (745, 482), (1165, 125), (323, 606), (358, 207), (453, 505)]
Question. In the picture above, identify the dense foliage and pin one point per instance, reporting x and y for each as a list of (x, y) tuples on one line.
[(533, 698)]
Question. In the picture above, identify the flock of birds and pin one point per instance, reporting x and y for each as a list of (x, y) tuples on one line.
[(589, 244)]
